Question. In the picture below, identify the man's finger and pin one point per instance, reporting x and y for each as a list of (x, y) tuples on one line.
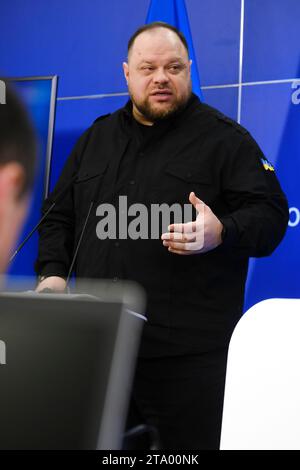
[(179, 237), (180, 252), (188, 227), (196, 202), (193, 246)]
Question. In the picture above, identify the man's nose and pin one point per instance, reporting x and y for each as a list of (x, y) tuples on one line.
[(160, 76)]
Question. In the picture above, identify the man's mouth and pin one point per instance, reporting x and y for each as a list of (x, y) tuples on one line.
[(161, 95)]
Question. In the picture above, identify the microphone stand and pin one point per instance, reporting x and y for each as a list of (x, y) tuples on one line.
[(61, 193), (83, 230)]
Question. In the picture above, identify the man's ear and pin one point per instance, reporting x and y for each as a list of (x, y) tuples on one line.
[(11, 180), (13, 208), (126, 71)]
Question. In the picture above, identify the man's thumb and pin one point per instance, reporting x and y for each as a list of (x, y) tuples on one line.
[(197, 203)]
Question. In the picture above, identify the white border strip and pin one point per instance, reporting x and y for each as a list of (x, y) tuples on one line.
[(241, 61), (50, 134), (263, 82), (207, 87), (91, 97), (271, 82), (212, 87)]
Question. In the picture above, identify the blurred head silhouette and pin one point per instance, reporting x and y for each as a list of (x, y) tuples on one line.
[(17, 165)]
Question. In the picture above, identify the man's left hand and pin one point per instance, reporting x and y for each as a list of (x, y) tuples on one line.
[(198, 236)]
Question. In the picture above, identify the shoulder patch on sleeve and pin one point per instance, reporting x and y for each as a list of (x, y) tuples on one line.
[(232, 123), (267, 165), (100, 118)]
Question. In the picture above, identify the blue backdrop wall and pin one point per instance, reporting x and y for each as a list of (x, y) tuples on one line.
[(249, 62)]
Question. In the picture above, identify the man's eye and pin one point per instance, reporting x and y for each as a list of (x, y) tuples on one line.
[(147, 68), (175, 68)]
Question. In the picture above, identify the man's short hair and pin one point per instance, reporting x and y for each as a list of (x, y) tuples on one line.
[(155, 25), (17, 137)]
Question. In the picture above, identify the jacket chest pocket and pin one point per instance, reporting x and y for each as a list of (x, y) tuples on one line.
[(87, 188), (178, 181)]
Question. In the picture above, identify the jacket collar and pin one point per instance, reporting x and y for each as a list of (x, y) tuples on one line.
[(191, 104)]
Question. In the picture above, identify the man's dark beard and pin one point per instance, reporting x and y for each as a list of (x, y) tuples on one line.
[(158, 115)]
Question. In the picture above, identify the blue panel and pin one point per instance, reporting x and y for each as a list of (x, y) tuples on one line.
[(278, 135), (36, 95), (73, 117), (82, 41), (258, 115), (215, 27), (224, 99), (271, 39)]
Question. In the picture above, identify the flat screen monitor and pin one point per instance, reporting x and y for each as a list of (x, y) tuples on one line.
[(39, 97)]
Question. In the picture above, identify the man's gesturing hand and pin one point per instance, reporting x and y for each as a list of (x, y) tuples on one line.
[(199, 236)]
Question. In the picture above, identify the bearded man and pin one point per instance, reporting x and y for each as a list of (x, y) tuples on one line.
[(166, 147)]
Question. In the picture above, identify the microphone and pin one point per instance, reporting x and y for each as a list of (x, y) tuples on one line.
[(59, 195), (97, 188)]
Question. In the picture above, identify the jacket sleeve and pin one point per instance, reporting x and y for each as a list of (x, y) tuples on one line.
[(258, 211), (56, 234)]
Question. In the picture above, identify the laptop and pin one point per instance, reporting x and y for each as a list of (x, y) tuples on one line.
[(66, 366)]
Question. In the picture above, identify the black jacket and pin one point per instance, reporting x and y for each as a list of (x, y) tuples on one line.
[(193, 301)]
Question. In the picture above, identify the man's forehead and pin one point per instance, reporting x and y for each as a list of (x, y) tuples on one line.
[(152, 44)]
